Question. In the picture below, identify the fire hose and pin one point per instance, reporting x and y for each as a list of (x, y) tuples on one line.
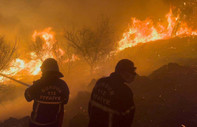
[(22, 83)]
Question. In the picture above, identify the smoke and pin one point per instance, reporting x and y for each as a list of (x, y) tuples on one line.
[(20, 18), (12, 101), (17, 108)]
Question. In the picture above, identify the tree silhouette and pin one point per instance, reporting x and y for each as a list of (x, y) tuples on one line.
[(6, 53), (92, 45)]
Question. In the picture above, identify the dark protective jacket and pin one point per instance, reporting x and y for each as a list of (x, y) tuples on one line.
[(111, 103), (49, 94)]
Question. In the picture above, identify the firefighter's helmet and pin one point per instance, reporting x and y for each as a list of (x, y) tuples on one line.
[(125, 65), (50, 65)]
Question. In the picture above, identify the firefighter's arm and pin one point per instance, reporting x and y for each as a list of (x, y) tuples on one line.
[(128, 118), (129, 112), (30, 92), (89, 109), (91, 98), (66, 94)]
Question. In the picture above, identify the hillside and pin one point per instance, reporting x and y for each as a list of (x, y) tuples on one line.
[(152, 55)]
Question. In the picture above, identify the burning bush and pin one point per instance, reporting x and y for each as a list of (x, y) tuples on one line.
[(6, 53), (92, 45)]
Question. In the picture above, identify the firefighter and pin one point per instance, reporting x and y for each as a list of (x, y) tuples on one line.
[(49, 93), (111, 103)]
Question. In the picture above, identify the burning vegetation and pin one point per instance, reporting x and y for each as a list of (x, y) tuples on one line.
[(167, 39), (95, 45), (44, 46), (147, 30)]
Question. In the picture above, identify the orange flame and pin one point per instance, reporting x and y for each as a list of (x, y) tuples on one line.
[(22, 67), (145, 31)]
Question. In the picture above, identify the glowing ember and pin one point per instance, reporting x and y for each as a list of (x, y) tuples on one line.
[(146, 31)]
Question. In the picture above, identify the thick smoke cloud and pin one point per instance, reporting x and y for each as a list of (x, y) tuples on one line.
[(20, 18)]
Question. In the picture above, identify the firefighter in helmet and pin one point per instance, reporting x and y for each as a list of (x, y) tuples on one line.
[(49, 93), (111, 103)]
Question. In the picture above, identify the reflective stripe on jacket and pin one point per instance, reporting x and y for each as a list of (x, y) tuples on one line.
[(111, 103)]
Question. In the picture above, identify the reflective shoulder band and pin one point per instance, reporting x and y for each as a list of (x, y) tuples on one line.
[(110, 111), (104, 108), (128, 110), (44, 102)]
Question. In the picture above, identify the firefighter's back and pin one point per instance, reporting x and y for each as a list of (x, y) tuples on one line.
[(111, 103), (48, 102), (49, 94), (109, 99)]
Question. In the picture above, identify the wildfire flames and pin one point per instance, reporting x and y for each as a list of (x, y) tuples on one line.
[(137, 32), (32, 67), (146, 31)]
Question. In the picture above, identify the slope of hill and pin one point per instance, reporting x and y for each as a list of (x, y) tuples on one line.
[(167, 97), (152, 55)]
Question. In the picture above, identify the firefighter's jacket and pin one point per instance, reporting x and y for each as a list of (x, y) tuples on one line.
[(49, 94), (111, 103)]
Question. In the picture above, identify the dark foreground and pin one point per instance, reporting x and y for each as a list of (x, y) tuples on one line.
[(166, 98)]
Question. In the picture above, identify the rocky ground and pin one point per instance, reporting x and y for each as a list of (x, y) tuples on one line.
[(12, 122)]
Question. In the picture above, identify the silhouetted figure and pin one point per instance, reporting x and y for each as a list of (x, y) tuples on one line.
[(111, 103), (49, 93)]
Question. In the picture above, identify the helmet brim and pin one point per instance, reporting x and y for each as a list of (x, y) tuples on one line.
[(59, 74), (55, 73)]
